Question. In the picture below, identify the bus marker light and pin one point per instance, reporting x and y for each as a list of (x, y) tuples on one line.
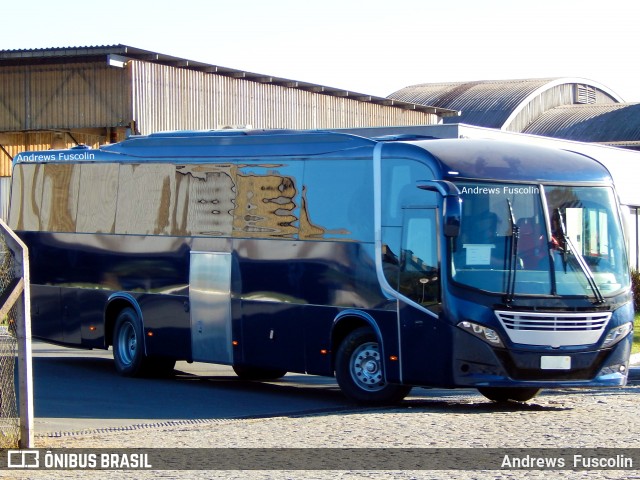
[(234, 343), (393, 358), (324, 352)]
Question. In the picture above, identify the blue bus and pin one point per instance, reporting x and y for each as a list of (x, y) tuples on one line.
[(387, 262)]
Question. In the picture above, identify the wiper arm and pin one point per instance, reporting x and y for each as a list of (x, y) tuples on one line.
[(581, 261), (513, 254)]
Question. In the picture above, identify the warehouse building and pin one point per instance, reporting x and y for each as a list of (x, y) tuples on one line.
[(60, 97), (566, 108)]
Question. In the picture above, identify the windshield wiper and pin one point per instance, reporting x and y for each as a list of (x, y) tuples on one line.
[(513, 255), (580, 259)]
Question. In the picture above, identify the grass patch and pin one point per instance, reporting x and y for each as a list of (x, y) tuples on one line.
[(635, 348)]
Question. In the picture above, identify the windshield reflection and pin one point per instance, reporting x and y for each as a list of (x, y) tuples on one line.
[(540, 240)]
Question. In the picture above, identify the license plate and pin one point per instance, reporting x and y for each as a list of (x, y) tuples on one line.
[(555, 363)]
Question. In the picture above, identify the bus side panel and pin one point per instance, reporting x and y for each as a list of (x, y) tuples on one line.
[(272, 336), (290, 293), (317, 339), (46, 320), (167, 325), (427, 342)]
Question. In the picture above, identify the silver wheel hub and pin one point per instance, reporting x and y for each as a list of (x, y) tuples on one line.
[(366, 367), (127, 343)]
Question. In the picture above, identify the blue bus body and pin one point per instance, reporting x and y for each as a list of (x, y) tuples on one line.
[(328, 253)]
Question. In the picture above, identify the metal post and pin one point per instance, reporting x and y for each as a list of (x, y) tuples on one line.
[(23, 336)]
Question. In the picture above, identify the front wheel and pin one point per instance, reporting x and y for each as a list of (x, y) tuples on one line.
[(360, 370), (499, 394)]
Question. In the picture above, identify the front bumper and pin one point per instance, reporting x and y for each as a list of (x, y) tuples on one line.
[(477, 364)]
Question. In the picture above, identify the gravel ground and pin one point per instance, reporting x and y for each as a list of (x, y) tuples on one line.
[(555, 419)]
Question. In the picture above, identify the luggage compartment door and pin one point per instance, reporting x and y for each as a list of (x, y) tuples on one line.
[(210, 299)]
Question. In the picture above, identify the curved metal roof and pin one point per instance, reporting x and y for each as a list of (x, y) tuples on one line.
[(616, 122), (488, 103)]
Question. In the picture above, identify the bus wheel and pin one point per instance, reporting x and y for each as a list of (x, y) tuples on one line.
[(257, 373), (360, 373), (499, 394), (128, 348)]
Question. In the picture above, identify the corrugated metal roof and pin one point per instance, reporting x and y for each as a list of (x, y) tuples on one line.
[(84, 54), (487, 103), (618, 122)]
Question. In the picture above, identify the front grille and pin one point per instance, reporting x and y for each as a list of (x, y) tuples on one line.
[(552, 328)]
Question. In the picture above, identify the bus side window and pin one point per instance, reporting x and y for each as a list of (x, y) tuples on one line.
[(419, 275)]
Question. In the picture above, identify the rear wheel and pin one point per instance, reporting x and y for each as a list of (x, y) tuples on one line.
[(360, 370), (499, 394), (128, 349), (257, 373)]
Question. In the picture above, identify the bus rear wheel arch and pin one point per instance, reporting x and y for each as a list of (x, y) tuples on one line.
[(360, 370)]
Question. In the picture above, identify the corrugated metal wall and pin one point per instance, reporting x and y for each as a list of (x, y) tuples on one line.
[(72, 95), (558, 95), (5, 184), (14, 143), (167, 98), (36, 99), (45, 106), (564, 94)]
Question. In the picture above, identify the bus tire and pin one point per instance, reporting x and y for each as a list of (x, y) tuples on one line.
[(128, 344), (516, 394), (256, 373), (360, 370)]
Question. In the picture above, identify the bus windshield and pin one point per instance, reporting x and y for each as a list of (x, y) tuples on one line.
[(520, 239)]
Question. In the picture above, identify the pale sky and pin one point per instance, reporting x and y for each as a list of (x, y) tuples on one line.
[(366, 46)]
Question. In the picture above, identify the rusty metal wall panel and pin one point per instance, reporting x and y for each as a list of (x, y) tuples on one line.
[(75, 95), (167, 98)]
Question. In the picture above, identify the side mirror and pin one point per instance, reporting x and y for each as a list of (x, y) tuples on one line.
[(452, 216), (452, 204)]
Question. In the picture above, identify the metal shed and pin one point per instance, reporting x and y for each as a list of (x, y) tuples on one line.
[(615, 124), (59, 97), (510, 105)]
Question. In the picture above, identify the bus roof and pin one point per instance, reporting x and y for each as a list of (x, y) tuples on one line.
[(497, 159), (456, 158)]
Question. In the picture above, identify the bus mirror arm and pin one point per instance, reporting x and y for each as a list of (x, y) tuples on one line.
[(452, 204)]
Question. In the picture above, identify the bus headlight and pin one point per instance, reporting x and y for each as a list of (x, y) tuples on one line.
[(484, 333), (616, 334)]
